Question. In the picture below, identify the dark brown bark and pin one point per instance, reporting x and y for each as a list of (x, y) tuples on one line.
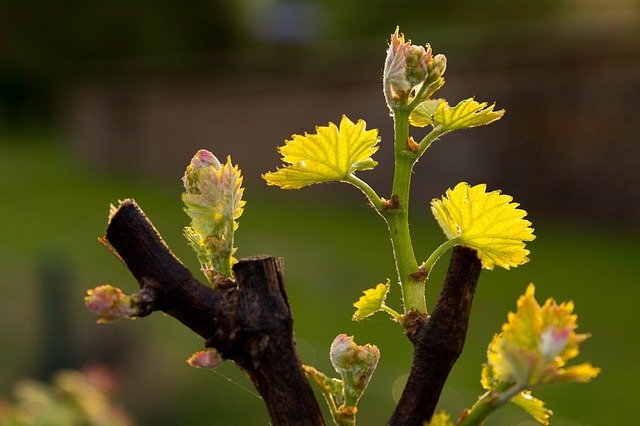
[(250, 323), (438, 340)]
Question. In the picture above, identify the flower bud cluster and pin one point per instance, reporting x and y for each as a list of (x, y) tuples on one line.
[(408, 69)]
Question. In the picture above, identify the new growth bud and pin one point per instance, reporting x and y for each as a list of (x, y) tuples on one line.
[(110, 303), (535, 345), (437, 66), (202, 160), (407, 69), (213, 201), (209, 358), (355, 364)]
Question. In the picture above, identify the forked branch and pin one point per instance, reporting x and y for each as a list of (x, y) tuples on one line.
[(249, 323), (438, 340)]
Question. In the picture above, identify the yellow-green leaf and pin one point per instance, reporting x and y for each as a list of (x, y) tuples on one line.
[(486, 221), (441, 419), (468, 113), (330, 154), (533, 406), (534, 346), (422, 115), (371, 301)]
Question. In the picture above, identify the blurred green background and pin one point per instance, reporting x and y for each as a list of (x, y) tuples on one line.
[(101, 101)]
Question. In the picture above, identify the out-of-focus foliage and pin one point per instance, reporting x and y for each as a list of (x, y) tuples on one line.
[(73, 398), (440, 419), (535, 345)]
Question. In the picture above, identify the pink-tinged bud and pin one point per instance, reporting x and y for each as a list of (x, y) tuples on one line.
[(343, 351), (553, 341), (101, 377), (407, 68), (203, 159), (110, 303), (209, 358), (396, 85)]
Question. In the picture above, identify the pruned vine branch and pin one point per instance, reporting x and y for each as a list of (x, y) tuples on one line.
[(249, 323), (438, 340)]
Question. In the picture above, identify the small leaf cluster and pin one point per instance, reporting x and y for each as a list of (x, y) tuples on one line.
[(213, 201)]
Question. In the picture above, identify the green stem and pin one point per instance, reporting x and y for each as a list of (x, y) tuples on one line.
[(487, 404), (397, 218), (369, 192), (480, 410), (428, 264), (434, 134)]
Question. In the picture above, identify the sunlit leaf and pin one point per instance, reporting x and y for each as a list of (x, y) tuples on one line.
[(441, 419), (422, 115), (330, 154), (371, 301), (533, 406), (467, 113), (486, 221), (535, 344)]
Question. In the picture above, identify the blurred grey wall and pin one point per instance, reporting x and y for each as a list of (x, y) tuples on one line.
[(568, 144)]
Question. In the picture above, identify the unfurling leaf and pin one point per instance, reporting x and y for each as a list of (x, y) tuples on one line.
[(533, 406), (468, 113), (485, 221), (531, 350), (371, 301), (110, 304), (536, 343), (422, 115), (213, 201), (330, 154)]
